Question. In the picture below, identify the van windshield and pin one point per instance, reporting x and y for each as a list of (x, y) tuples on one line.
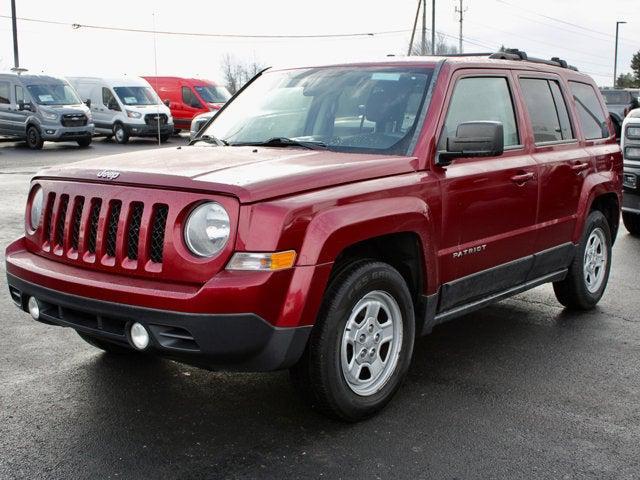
[(211, 94), (53, 94), (353, 109), (136, 95)]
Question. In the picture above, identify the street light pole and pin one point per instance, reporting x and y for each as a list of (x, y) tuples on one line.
[(433, 27), (615, 57), (16, 61)]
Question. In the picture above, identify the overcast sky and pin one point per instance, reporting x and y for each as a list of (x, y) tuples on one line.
[(488, 24)]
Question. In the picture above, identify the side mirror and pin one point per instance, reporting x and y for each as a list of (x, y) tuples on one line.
[(167, 102), (87, 102), (473, 139)]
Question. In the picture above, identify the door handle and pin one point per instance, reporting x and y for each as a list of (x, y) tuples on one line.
[(523, 178), (580, 167)]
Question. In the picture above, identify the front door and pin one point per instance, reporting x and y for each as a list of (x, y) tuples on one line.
[(488, 204)]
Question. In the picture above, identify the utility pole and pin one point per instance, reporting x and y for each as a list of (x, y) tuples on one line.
[(433, 26), (615, 57), (423, 50), (16, 61), (461, 11), (415, 24)]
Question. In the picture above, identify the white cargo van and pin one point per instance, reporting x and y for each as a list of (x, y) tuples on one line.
[(125, 107)]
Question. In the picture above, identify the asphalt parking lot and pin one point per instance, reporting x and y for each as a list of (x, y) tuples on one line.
[(521, 389)]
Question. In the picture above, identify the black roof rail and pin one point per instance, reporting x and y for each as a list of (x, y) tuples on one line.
[(515, 54)]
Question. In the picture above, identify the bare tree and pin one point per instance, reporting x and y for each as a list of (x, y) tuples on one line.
[(236, 73), (442, 47)]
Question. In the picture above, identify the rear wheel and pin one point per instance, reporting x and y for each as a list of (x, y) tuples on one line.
[(589, 272), (106, 346), (120, 134), (34, 139), (631, 222), (361, 346), (84, 142)]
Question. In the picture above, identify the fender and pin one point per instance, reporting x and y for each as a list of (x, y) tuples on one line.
[(331, 231), (595, 185)]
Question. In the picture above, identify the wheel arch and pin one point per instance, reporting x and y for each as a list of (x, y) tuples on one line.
[(601, 192)]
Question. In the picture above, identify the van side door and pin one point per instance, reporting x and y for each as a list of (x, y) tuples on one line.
[(6, 108), (489, 204), (562, 161)]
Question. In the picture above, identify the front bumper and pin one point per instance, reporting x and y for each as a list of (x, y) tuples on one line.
[(242, 342), (631, 190), (144, 130), (57, 133)]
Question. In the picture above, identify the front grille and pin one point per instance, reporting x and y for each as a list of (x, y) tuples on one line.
[(152, 119), (134, 230), (87, 225), (157, 233), (112, 228), (73, 120)]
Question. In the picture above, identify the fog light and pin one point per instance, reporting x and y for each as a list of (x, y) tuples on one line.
[(34, 308), (139, 336), (51, 132)]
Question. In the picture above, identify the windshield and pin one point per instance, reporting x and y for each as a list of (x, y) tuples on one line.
[(356, 109), (136, 95), (211, 94), (53, 94), (613, 97)]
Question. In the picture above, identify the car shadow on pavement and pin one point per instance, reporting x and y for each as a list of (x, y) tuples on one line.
[(144, 410)]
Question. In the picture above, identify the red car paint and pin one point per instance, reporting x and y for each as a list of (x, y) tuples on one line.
[(318, 203), (170, 90)]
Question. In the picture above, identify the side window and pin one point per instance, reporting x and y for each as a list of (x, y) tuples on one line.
[(4, 93), (547, 110), (107, 97), (592, 116), (19, 94), (188, 98), (481, 99)]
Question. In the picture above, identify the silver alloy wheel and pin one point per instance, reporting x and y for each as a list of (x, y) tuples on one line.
[(371, 343), (119, 133), (595, 260)]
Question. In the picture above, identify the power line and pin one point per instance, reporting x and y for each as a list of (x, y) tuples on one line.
[(200, 34)]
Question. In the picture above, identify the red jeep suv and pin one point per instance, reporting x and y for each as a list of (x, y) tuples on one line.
[(328, 216)]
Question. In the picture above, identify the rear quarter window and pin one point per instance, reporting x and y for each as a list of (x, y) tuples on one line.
[(590, 113)]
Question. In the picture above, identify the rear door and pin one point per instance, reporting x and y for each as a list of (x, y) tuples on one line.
[(562, 160), (489, 204)]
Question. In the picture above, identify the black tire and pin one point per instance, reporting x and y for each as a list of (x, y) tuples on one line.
[(106, 346), (176, 131), (84, 142), (632, 222), (34, 139), (120, 133), (573, 292), (319, 375), (164, 137)]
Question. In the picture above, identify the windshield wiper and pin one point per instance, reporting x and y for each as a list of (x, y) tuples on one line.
[(284, 142), (209, 139)]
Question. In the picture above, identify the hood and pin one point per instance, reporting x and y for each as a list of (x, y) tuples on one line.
[(249, 173), (62, 109)]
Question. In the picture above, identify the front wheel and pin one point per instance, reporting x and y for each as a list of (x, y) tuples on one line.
[(588, 274), (120, 134), (361, 346), (34, 139), (84, 142), (632, 222)]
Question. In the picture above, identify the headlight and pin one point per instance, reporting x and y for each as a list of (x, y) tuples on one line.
[(632, 152), (207, 229), (49, 115), (89, 117), (132, 114), (633, 132), (35, 214)]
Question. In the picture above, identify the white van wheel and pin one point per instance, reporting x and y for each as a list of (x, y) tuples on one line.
[(120, 134)]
